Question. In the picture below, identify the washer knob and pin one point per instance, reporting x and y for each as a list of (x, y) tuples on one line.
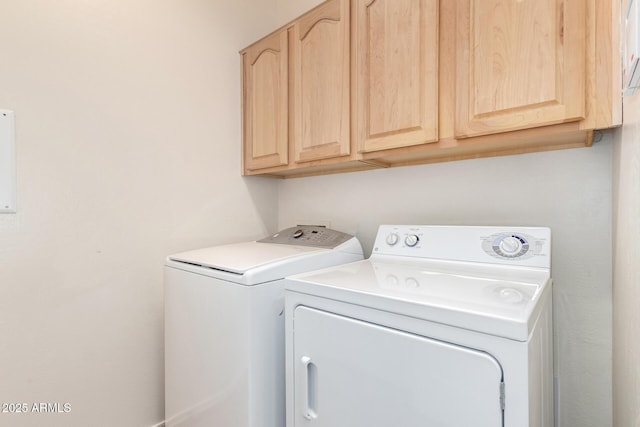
[(392, 239), (411, 240), (298, 234), (510, 245)]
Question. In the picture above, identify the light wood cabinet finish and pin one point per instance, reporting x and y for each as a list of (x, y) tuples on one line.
[(396, 49), (321, 82), (520, 64), (265, 99), (362, 84)]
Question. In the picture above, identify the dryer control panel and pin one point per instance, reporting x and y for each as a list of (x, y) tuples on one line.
[(524, 246), (513, 245), (308, 235)]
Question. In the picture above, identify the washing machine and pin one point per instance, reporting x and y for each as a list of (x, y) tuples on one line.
[(224, 325), (441, 326)]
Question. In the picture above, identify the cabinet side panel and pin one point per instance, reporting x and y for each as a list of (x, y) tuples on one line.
[(541, 389)]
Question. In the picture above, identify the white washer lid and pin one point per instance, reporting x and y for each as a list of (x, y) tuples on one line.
[(238, 258), (497, 300)]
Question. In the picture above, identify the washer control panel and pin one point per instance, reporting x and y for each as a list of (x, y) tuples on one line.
[(308, 235)]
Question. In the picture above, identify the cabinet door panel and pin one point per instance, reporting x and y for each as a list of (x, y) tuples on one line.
[(265, 98), (321, 87), (397, 77), (520, 64)]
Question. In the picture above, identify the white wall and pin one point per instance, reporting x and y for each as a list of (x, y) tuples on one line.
[(287, 10), (626, 273), (128, 149)]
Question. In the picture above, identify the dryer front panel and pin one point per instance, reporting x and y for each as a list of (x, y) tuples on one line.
[(351, 373)]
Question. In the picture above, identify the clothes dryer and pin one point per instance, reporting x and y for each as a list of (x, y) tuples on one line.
[(224, 325), (441, 326)]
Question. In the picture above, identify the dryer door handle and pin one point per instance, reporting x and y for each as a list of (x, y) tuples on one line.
[(309, 373)]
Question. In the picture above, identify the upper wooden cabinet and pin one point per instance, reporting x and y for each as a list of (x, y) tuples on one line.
[(320, 75), (396, 51), (520, 64), (265, 100), (361, 84)]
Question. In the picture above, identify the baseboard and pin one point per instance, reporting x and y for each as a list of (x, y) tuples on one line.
[(160, 424)]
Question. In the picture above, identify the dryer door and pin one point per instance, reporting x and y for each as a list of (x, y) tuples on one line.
[(350, 373)]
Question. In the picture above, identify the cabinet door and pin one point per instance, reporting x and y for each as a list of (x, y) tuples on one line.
[(320, 57), (265, 97), (520, 64), (396, 73)]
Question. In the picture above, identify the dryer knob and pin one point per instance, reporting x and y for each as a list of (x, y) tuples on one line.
[(297, 234), (392, 239), (411, 240)]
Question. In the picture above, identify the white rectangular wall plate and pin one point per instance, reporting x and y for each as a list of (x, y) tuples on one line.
[(7, 162)]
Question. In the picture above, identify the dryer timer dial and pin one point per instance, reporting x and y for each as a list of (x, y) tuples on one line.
[(510, 245), (507, 245)]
